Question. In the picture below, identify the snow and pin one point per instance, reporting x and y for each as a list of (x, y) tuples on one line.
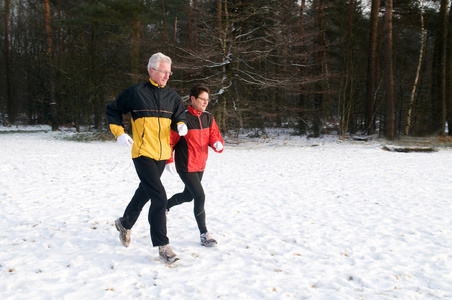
[(294, 218)]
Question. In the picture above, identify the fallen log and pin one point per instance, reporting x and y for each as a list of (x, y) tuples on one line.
[(408, 149)]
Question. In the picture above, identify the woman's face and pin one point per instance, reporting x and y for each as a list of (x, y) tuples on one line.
[(201, 102)]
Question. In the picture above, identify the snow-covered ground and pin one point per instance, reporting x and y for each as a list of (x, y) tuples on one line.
[(294, 219)]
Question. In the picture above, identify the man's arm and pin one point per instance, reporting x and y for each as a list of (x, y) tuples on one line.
[(178, 114), (114, 112)]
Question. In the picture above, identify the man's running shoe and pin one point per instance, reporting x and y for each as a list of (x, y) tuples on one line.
[(167, 255), (124, 234)]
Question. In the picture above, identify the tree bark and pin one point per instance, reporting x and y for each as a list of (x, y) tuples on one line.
[(219, 13), (165, 26), (319, 68), (224, 123), (222, 34), (372, 68), (135, 59), (439, 74), (9, 99), (195, 25), (413, 92), (189, 26), (347, 118), (389, 128), (449, 74), (49, 41), (302, 126), (60, 35)]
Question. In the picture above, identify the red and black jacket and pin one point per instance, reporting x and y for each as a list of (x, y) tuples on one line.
[(191, 150)]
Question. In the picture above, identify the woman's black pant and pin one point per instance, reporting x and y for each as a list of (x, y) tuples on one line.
[(149, 171), (193, 190)]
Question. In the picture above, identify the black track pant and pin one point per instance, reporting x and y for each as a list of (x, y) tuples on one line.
[(193, 190), (151, 187)]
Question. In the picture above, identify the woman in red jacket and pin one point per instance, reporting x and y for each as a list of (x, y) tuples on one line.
[(190, 156)]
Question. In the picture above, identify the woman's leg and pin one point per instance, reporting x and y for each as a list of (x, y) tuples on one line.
[(179, 198), (193, 190)]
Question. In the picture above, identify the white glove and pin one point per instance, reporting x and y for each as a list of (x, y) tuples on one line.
[(125, 140), (182, 129), (170, 167), (218, 146)]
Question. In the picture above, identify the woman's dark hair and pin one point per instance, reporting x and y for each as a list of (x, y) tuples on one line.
[(198, 89)]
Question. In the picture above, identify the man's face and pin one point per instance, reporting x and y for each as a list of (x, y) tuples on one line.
[(161, 74)]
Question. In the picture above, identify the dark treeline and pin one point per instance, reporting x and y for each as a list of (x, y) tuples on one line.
[(317, 66)]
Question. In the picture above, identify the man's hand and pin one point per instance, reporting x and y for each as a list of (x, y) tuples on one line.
[(182, 129), (218, 146), (125, 140), (170, 167)]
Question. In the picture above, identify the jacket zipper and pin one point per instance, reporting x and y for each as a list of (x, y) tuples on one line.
[(202, 137), (158, 120)]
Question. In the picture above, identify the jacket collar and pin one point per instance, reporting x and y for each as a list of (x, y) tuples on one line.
[(194, 111), (155, 84)]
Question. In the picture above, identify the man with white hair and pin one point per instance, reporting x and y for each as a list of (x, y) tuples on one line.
[(155, 110)]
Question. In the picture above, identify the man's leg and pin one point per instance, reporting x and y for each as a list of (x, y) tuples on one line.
[(149, 172), (133, 209)]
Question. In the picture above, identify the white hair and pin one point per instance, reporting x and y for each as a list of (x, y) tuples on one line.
[(155, 59)]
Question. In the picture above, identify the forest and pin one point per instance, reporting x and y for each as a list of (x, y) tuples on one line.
[(318, 67)]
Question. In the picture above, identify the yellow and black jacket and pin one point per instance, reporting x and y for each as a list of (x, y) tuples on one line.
[(155, 111)]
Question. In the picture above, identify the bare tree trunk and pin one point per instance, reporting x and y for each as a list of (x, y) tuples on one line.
[(320, 65), (449, 74), (220, 117), (135, 59), (135, 67), (165, 26), (48, 28), (175, 34), (189, 26), (49, 41), (302, 126), (195, 24), (413, 92), (347, 120), (219, 13), (222, 32), (9, 99), (443, 59), (439, 74), (372, 69), (224, 122), (60, 35), (389, 127)]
